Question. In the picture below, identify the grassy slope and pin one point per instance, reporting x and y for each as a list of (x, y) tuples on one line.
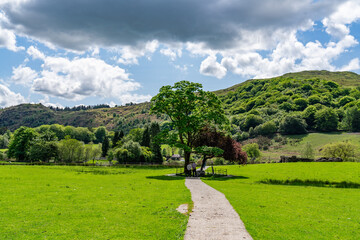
[(295, 212), (317, 141), (65, 203)]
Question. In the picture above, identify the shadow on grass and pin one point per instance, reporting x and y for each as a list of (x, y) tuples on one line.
[(312, 183), (223, 178), (166, 178)]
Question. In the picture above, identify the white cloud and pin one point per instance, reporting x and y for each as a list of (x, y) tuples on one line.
[(9, 98), (210, 67), (23, 75), (7, 37), (346, 13), (354, 64), (134, 98), (130, 55), (172, 51), (35, 53), (79, 78)]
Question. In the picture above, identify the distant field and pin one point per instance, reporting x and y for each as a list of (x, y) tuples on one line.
[(297, 200), (317, 141), (42, 202)]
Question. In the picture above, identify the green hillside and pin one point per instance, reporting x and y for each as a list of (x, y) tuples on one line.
[(270, 99), (33, 115)]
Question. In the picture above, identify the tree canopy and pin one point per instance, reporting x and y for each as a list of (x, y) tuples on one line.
[(189, 108)]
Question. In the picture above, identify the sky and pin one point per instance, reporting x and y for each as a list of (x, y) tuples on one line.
[(74, 52)]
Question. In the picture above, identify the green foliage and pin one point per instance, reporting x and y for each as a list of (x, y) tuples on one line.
[(300, 103), (20, 143), (71, 150), (251, 121), (351, 121), (292, 124), (308, 151), (105, 146), (346, 99), (266, 129), (41, 150), (326, 120), (252, 150), (100, 134), (145, 141), (189, 109), (134, 150), (344, 150), (309, 116)]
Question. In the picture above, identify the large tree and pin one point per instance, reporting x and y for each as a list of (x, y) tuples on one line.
[(189, 109), (20, 143)]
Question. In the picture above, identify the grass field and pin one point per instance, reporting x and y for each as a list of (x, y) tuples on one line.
[(296, 200), (317, 141), (52, 202)]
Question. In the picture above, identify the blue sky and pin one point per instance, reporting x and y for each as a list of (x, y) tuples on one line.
[(72, 52)]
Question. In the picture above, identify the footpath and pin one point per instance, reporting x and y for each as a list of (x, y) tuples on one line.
[(213, 217)]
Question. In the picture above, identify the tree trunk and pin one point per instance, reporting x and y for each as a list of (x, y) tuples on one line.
[(203, 163), (187, 161)]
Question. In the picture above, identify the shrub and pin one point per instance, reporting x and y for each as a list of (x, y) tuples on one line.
[(251, 120), (344, 150), (292, 124), (344, 100), (309, 116), (266, 129), (314, 100), (301, 103), (308, 152), (326, 120), (286, 106), (252, 150), (263, 142)]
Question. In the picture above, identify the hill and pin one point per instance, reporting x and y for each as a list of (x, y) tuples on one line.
[(268, 98)]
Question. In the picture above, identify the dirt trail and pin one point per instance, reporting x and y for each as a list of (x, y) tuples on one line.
[(213, 217)]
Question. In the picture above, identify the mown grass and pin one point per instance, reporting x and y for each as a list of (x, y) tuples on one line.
[(297, 143), (295, 200), (53, 202)]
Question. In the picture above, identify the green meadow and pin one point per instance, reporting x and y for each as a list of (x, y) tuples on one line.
[(295, 200), (53, 202), (296, 144)]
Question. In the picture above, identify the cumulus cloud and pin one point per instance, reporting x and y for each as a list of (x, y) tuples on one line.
[(23, 75), (7, 37), (35, 53), (210, 67), (218, 24), (78, 78), (9, 98)]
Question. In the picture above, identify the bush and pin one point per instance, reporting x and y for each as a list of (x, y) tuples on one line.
[(286, 106), (309, 115), (314, 100), (326, 120), (266, 129), (252, 150), (251, 120), (263, 142), (308, 152), (300, 103), (343, 150), (344, 100), (292, 124)]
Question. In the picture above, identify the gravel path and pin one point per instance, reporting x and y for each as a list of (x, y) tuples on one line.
[(213, 217)]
